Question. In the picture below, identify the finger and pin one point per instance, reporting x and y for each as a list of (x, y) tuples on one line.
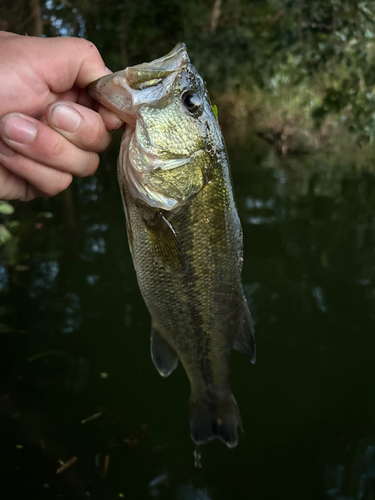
[(30, 178), (110, 119), (80, 125), (56, 66), (80, 96), (71, 95), (76, 61), (7, 33), (39, 142), (13, 187)]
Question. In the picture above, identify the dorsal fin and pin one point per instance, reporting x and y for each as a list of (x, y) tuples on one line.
[(163, 356), (245, 340)]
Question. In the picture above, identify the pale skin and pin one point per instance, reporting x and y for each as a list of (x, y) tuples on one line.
[(50, 129)]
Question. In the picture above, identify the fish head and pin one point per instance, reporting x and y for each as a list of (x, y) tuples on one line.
[(173, 138)]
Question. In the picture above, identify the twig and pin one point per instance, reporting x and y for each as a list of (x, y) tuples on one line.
[(66, 465), (366, 15), (93, 417), (106, 465)]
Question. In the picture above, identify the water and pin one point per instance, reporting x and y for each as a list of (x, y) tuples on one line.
[(76, 375)]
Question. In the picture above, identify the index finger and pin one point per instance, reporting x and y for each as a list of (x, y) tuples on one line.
[(75, 61), (60, 62)]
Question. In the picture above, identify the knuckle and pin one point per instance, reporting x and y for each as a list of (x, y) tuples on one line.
[(88, 47), (97, 135), (90, 165), (57, 148), (93, 164), (62, 181)]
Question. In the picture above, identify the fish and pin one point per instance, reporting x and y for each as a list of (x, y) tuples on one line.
[(184, 231)]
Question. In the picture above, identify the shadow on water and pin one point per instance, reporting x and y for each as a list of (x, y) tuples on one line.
[(79, 394)]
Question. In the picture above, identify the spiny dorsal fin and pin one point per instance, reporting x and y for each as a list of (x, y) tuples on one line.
[(164, 242), (164, 357), (245, 340)]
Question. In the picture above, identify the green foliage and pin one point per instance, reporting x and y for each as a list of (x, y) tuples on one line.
[(6, 225), (274, 45), (5, 208), (5, 235)]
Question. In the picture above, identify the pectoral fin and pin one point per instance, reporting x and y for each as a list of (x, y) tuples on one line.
[(164, 242), (164, 357), (245, 340), (129, 229)]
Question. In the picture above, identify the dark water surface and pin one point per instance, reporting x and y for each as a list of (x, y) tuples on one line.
[(75, 344)]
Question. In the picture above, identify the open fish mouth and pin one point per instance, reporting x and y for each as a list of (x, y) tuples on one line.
[(124, 91)]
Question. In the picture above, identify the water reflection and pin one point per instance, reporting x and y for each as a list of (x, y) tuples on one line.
[(318, 295), (44, 277), (89, 189), (72, 313), (76, 344), (92, 279), (156, 484), (188, 492), (3, 278), (356, 480), (94, 241)]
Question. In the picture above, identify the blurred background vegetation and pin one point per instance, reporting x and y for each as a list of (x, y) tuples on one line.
[(300, 73)]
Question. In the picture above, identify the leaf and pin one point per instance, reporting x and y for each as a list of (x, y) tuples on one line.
[(13, 224), (214, 109), (4, 235), (5, 208), (46, 215)]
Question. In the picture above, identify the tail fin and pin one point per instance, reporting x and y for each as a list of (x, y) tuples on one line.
[(217, 416)]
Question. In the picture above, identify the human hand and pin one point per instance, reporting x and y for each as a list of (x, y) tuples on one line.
[(50, 129)]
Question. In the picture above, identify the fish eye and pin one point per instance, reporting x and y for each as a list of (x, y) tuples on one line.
[(191, 101)]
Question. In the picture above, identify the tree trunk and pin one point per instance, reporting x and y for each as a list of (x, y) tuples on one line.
[(216, 13), (37, 19)]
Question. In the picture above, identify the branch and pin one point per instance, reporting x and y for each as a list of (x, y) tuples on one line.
[(367, 16)]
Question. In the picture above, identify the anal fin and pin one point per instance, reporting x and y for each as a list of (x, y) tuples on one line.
[(245, 340), (163, 356)]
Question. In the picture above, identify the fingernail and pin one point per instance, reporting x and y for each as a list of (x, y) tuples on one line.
[(65, 118), (119, 124), (18, 129), (4, 150)]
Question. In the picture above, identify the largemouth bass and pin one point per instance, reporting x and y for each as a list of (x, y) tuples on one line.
[(184, 232)]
